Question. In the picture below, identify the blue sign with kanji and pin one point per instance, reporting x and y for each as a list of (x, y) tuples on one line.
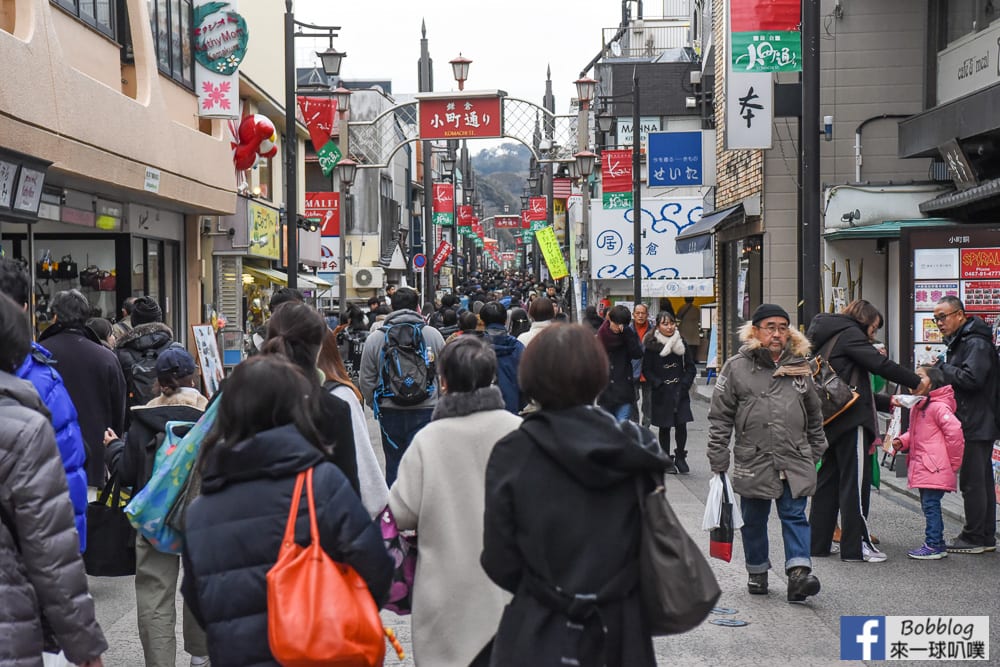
[(674, 158)]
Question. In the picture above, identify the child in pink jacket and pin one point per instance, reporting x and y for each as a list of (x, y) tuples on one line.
[(935, 444)]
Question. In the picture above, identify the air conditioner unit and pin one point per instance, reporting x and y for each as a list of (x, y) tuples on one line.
[(368, 277)]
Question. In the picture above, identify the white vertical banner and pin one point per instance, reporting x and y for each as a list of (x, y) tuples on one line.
[(749, 103), (219, 38)]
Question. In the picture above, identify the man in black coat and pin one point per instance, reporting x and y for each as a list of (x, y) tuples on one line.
[(149, 337), (91, 374), (970, 367)]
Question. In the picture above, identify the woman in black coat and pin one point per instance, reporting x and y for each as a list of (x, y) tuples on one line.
[(263, 438), (668, 365), (561, 515), (844, 479)]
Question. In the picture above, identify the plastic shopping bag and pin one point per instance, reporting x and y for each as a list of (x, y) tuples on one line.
[(717, 487)]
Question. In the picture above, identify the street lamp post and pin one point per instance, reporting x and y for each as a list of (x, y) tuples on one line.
[(342, 96), (331, 60), (448, 171), (460, 69), (585, 161)]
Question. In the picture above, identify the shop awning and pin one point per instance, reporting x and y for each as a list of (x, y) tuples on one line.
[(281, 278), (888, 229), (698, 236)]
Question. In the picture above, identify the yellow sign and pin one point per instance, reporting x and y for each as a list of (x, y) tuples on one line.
[(547, 241), (263, 224)]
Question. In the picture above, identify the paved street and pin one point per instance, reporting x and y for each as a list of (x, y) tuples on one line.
[(777, 631)]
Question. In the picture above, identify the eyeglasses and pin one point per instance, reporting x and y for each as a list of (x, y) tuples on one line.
[(772, 329), (944, 316)]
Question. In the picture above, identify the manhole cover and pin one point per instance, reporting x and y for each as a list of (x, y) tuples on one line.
[(723, 610), (729, 622)]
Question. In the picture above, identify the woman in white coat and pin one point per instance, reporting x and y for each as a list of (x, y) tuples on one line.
[(440, 492)]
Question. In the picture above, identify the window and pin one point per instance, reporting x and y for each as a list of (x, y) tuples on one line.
[(99, 14), (171, 24)]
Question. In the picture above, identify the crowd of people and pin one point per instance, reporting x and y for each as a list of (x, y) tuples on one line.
[(512, 442)]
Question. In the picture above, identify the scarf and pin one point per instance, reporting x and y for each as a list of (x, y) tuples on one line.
[(462, 403), (671, 345)]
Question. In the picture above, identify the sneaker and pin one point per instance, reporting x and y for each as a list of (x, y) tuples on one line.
[(960, 546), (834, 548), (990, 547), (801, 584), (680, 460), (757, 584), (872, 555), (200, 661), (927, 553)]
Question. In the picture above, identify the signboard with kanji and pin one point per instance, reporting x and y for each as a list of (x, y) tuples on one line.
[(507, 222), (444, 204), (324, 208), (765, 35), (749, 110), (681, 158), (549, 245), (441, 255), (461, 118)]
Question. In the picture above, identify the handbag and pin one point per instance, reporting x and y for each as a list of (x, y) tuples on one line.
[(107, 282), (319, 612), (68, 269), (676, 584), (403, 550), (175, 459), (45, 268), (835, 394), (90, 277), (110, 537), (720, 540)]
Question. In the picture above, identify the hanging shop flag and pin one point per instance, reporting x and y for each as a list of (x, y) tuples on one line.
[(547, 241), (616, 179), (220, 37), (461, 117), (444, 204), (538, 208), (441, 255), (765, 35), (525, 218), (749, 110), (465, 220), (319, 114)]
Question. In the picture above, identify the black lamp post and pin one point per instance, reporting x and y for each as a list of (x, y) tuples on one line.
[(331, 59)]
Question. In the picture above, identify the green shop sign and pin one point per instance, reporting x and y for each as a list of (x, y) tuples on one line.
[(220, 37), (617, 200), (767, 51)]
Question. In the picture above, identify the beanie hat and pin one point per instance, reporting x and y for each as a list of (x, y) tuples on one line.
[(766, 310), (146, 310), (176, 362)]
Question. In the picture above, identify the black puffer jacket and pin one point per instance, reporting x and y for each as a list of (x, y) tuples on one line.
[(41, 568), (561, 506), (234, 530), (970, 367), (150, 337), (854, 357)]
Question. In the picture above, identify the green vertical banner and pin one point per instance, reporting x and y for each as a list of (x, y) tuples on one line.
[(329, 155), (766, 35)]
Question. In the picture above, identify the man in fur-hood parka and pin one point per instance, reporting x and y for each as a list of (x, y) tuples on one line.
[(766, 396)]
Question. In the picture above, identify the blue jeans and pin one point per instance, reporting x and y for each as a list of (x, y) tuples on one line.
[(398, 428), (930, 503), (623, 412), (794, 531)]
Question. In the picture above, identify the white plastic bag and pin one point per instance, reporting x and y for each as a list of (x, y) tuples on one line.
[(713, 506), (55, 660), (893, 430)]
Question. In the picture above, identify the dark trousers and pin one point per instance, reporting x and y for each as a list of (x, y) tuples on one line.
[(680, 439), (398, 428), (842, 485), (975, 479)]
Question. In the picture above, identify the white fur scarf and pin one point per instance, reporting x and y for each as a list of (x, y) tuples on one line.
[(672, 345)]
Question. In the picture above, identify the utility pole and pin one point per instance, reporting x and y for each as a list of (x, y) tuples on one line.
[(425, 85), (636, 195), (811, 268)]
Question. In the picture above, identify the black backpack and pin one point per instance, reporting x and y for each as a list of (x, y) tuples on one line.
[(143, 376), (406, 371)]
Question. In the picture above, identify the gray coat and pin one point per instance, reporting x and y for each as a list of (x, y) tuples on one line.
[(774, 411), (40, 570), (368, 376)]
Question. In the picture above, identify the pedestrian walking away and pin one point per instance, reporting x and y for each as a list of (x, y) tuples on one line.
[(844, 483), (970, 366), (765, 393)]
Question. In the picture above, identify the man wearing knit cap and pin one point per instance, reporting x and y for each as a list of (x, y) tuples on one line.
[(767, 389), (138, 350)]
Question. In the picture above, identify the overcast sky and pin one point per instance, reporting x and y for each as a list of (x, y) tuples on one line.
[(511, 43)]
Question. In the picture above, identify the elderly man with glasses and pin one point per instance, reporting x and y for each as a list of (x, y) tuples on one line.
[(765, 393), (970, 366)]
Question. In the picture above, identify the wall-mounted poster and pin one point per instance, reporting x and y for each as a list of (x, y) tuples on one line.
[(209, 359), (925, 329), (935, 263), (927, 353), (926, 295), (980, 263), (981, 294)]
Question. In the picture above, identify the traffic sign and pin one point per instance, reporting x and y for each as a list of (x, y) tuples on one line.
[(419, 260)]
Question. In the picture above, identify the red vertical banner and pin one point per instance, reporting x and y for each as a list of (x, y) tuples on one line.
[(441, 255), (465, 219), (443, 204), (525, 218), (616, 170), (538, 208), (319, 114)]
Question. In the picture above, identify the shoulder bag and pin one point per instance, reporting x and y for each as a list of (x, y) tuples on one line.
[(110, 537), (403, 549), (835, 395), (676, 584), (319, 612)]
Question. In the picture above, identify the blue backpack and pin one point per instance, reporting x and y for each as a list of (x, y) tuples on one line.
[(406, 371)]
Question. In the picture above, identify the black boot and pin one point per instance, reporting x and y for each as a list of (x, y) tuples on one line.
[(680, 460), (801, 584), (671, 466), (757, 584)]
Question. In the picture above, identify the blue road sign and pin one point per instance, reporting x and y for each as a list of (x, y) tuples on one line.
[(419, 261)]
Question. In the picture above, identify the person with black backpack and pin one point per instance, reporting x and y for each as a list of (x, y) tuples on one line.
[(138, 350), (397, 376)]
